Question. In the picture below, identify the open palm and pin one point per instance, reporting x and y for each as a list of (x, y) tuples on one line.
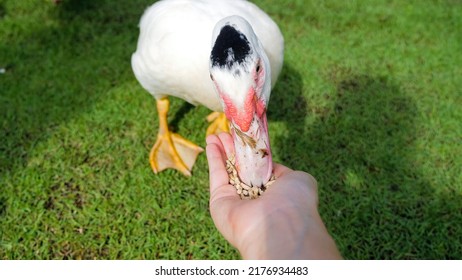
[(283, 223)]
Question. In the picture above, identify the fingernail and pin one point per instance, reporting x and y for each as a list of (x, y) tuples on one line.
[(208, 139)]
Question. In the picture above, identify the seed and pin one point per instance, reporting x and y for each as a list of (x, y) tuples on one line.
[(242, 189), (244, 186)]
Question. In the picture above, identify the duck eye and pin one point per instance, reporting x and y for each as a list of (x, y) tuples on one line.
[(258, 68), (211, 77)]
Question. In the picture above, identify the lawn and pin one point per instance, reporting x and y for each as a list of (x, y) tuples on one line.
[(369, 102)]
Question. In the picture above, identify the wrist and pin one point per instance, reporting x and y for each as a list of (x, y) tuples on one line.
[(276, 237), (291, 239)]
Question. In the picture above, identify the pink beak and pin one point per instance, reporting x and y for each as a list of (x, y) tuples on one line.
[(253, 152)]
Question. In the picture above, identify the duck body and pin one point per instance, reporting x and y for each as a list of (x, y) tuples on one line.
[(223, 54), (172, 56)]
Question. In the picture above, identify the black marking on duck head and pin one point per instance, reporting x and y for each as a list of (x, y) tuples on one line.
[(231, 46)]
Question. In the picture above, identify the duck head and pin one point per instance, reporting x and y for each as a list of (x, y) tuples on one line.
[(241, 73)]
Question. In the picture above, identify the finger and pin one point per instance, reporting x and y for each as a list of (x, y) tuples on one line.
[(228, 143), (280, 170), (222, 195), (217, 169), (213, 139), (219, 178)]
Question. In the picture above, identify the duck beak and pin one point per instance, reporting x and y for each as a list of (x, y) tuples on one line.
[(254, 162)]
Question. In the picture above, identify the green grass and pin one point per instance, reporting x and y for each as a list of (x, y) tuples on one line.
[(369, 102)]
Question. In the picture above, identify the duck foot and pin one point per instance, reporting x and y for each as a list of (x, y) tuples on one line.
[(218, 123), (173, 151)]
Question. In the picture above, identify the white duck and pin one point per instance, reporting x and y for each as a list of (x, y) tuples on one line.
[(223, 54)]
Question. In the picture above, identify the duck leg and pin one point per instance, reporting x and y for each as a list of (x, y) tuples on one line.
[(219, 123), (171, 150)]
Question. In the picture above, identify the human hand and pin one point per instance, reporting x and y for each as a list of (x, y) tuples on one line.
[(283, 223)]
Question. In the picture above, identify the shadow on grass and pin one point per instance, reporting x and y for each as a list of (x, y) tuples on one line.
[(68, 8), (184, 109), (375, 201), (2, 10), (288, 105), (2, 206)]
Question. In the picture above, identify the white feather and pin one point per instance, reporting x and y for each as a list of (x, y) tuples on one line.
[(172, 56)]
